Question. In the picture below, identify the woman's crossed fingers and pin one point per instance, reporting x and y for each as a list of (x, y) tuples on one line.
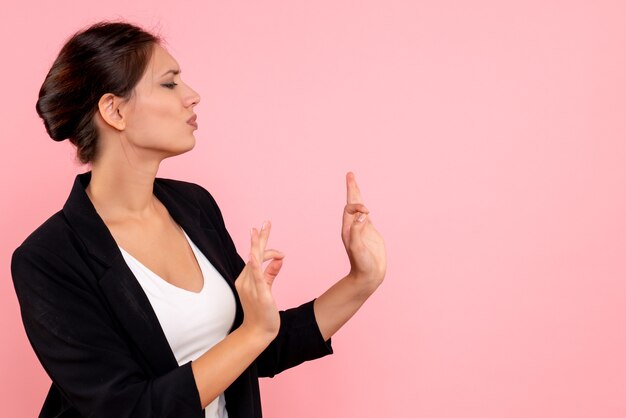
[(354, 211), (254, 284), (260, 254)]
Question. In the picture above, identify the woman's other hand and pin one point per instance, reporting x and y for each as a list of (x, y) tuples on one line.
[(254, 286), (363, 243), (217, 369)]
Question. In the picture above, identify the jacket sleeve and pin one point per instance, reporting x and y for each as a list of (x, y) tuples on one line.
[(83, 350), (299, 338)]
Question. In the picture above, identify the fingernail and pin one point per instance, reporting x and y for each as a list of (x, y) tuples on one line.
[(264, 225), (361, 217)]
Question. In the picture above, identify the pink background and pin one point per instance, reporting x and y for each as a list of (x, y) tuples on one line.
[(489, 140)]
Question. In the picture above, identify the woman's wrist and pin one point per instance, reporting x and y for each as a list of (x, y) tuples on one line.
[(256, 336), (364, 284)]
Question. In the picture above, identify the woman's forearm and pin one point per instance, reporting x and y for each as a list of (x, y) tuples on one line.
[(216, 369), (339, 303)]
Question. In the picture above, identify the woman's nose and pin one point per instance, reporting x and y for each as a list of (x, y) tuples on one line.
[(196, 98), (193, 98)]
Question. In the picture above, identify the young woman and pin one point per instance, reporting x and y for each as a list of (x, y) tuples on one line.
[(133, 295)]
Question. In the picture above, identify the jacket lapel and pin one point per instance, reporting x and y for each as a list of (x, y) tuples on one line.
[(189, 218)]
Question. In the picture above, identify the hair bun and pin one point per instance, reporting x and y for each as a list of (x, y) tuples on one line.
[(58, 123)]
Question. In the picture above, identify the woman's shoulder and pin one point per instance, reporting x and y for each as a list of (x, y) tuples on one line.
[(48, 249), (52, 233)]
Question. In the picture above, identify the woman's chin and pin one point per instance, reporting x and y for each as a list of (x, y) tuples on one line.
[(187, 146)]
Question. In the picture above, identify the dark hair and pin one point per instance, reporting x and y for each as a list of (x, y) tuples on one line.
[(107, 57)]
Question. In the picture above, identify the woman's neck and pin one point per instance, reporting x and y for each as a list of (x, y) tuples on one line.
[(121, 192)]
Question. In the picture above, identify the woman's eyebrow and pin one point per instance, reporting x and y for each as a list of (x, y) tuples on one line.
[(175, 72)]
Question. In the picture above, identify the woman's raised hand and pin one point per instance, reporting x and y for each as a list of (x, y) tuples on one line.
[(254, 286), (364, 245)]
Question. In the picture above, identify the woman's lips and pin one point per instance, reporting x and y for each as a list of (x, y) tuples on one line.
[(192, 121)]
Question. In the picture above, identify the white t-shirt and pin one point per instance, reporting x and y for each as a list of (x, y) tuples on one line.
[(192, 322)]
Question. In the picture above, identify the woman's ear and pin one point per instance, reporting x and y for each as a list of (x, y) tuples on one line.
[(109, 109)]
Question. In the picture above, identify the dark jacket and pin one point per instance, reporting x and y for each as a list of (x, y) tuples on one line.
[(93, 328)]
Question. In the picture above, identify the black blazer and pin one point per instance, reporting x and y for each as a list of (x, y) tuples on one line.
[(93, 328)]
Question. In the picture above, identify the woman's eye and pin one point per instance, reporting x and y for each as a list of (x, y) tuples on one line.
[(169, 85)]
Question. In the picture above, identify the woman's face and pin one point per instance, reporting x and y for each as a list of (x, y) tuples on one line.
[(160, 115)]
